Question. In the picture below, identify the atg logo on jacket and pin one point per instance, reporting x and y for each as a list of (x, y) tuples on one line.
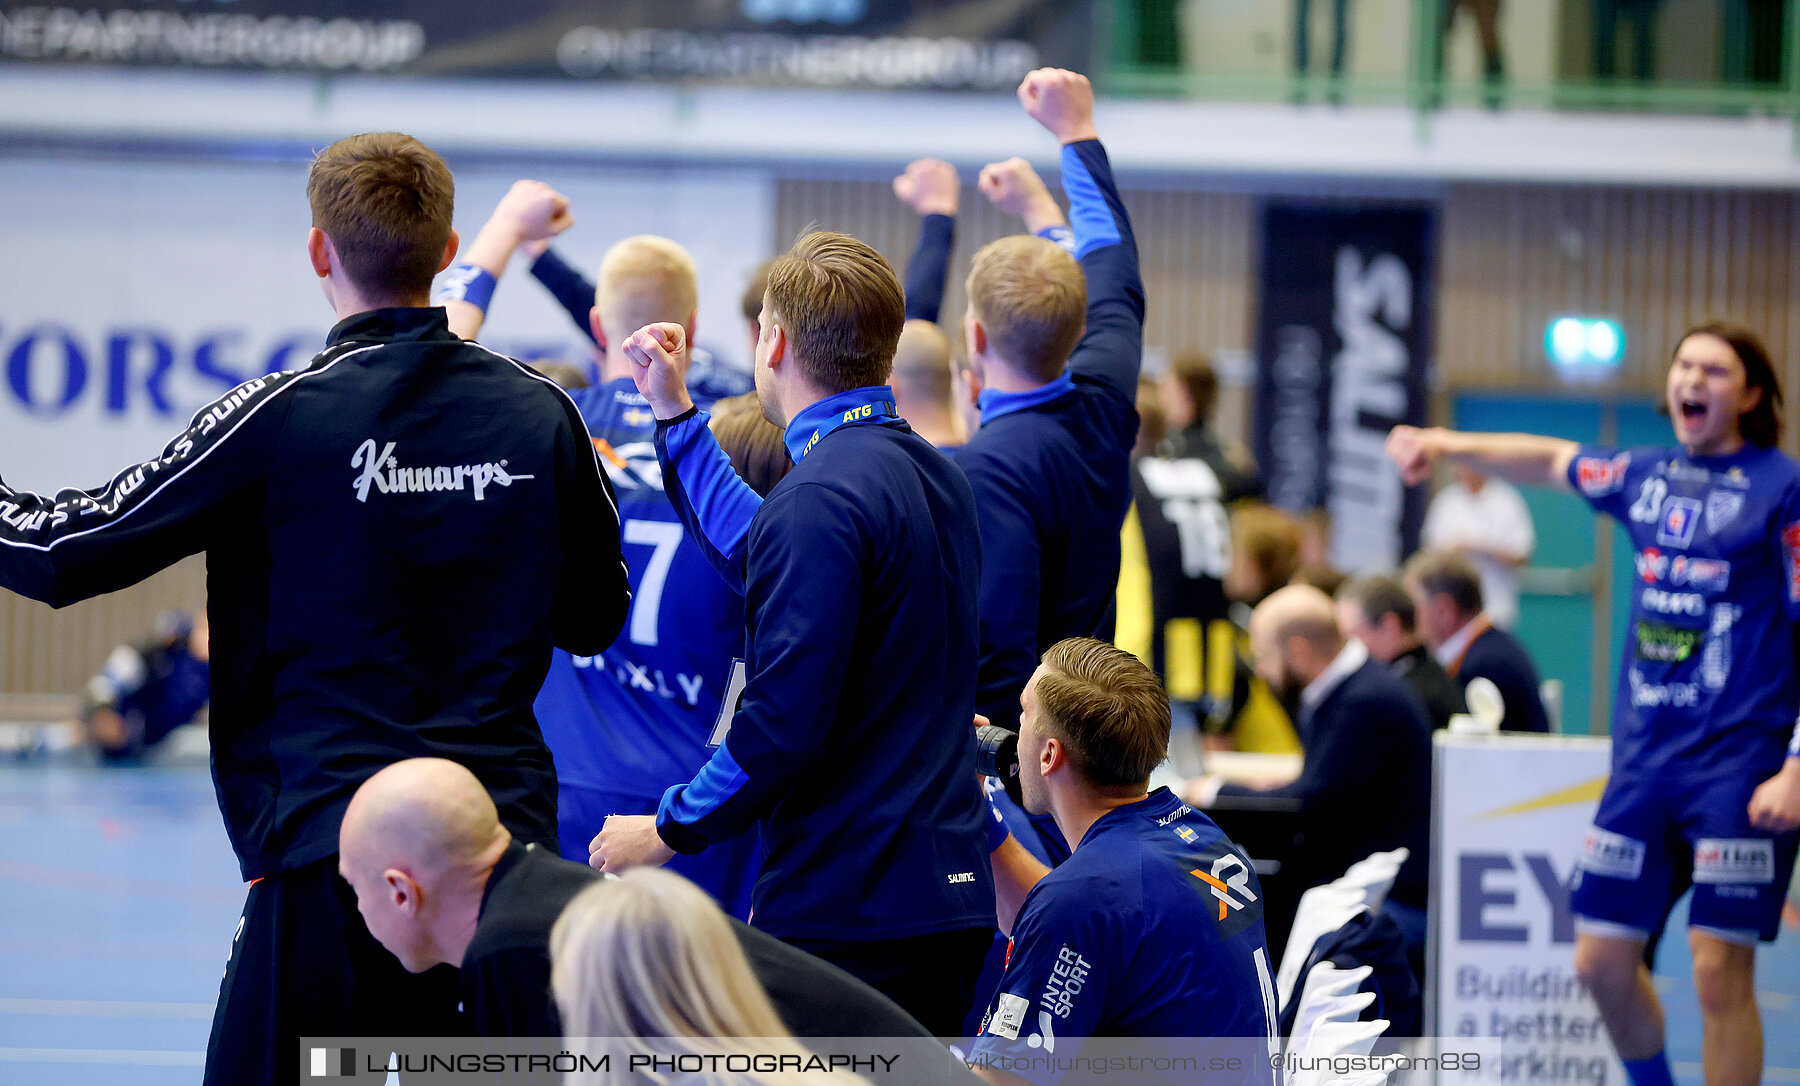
[(382, 471)]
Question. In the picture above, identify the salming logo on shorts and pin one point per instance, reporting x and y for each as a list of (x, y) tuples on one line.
[(1613, 854), (1734, 861)]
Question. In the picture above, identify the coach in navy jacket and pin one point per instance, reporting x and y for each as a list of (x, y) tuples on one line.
[(852, 744)]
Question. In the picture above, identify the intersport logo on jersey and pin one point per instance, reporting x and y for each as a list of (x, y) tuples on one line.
[(382, 471)]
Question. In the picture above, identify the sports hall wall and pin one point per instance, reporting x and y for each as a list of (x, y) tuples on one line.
[(170, 266)]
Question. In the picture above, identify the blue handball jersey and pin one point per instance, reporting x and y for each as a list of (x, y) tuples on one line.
[(1153, 928), (636, 719), (1707, 680)]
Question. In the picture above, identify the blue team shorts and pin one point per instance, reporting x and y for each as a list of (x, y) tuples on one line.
[(1652, 831)]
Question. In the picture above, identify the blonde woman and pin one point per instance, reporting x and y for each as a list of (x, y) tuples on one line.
[(647, 965)]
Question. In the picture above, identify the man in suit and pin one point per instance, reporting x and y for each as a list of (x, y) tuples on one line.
[(1446, 592), (1377, 611), (1366, 783)]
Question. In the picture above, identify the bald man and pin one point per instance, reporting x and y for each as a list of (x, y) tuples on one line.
[(924, 385), (439, 881), (1366, 784)]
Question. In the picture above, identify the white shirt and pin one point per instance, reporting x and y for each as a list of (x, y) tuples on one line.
[(1458, 643), (1495, 518), (1353, 655)]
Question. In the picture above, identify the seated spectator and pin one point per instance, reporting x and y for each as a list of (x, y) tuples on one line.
[(645, 965), (1366, 783), (439, 880), (1446, 592), (1118, 921), (1377, 611), (146, 691)]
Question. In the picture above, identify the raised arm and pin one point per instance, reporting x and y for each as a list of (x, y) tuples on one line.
[(714, 503), (79, 543), (930, 187), (1111, 350), (565, 282), (1525, 459), (530, 211)]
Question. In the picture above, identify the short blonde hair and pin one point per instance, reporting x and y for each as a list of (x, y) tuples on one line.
[(645, 279), (647, 964), (1031, 298), (842, 308)]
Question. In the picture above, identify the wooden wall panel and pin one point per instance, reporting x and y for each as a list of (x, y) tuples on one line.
[(1514, 257), (1196, 250), (55, 652)]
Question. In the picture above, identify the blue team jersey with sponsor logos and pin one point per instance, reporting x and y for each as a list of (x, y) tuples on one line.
[(637, 719), (1152, 928), (1707, 681)]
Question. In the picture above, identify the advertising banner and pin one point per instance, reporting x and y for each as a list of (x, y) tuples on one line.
[(887, 44), (136, 292), (1510, 814), (1343, 347)]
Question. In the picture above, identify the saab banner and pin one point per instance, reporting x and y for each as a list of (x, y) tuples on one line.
[(887, 44), (1510, 814), (1343, 346)]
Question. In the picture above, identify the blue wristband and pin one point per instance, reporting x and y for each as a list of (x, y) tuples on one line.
[(469, 283), (997, 831), (1063, 236)]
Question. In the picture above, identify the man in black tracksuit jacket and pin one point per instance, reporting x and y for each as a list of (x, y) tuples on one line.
[(395, 537)]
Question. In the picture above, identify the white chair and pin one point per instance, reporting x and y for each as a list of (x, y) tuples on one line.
[(1322, 910), (1329, 995), (1332, 1039), (1341, 1010), (1374, 875)]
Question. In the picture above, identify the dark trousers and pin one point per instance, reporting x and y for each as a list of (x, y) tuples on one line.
[(932, 976), (304, 965)]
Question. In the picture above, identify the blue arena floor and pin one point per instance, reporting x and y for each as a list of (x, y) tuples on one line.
[(119, 896)]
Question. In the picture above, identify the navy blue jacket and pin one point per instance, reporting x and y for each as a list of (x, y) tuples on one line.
[(852, 744), (1366, 784), (929, 267), (1051, 467), (395, 536), (1498, 656)]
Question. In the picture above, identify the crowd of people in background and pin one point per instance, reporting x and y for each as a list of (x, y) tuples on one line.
[(744, 629)]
